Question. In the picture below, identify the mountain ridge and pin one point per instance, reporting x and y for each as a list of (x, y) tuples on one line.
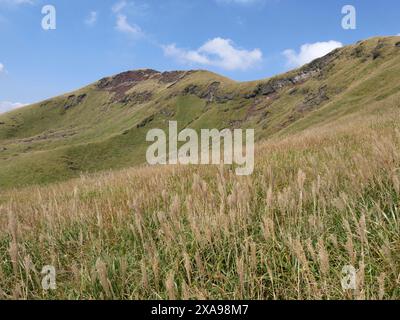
[(102, 125)]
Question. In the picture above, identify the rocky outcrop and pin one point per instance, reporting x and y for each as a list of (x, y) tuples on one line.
[(211, 93), (377, 52), (145, 122), (310, 70), (120, 84), (358, 52), (73, 101), (313, 100), (135, 98), (126, 78), (271, 87), (192, 90), (172, 77)]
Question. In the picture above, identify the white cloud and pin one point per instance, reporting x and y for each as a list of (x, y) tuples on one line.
[(8, 106), (91, 18), (124, 26), (309, 52), (120, 9), (217, 52), (1, 67)]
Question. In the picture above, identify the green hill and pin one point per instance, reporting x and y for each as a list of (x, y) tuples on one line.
[(104, 125)]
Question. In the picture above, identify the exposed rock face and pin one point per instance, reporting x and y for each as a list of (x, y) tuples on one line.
[(310, 70), (211, 93), (377, 52), (224, 98), (358, 52), (321, 63), (136, 97), (268, 88), (272, 86), (126, 78), (192, 89), (123, 82), (73, 101), (172, 77), (313, 100), (145, 122), (130, 78), (120, 84)]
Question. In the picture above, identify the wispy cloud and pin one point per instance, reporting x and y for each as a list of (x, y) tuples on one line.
[(309, 52), (217, 52), (6, 106), (124, 26), (131, 8), (1, 67), (91, 19), (120, 9), (119, 6)]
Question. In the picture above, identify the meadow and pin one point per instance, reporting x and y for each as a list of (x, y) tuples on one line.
[(318, 200)]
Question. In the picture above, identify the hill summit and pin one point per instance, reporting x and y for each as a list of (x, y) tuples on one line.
[(103, 125)]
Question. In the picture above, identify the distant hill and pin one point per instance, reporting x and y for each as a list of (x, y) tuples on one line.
[(103, 126)]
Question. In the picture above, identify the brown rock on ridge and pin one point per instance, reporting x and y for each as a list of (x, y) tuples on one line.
[(123, 82), (126, 78)]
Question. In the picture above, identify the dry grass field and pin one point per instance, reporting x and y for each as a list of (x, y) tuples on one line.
[(318, 200)]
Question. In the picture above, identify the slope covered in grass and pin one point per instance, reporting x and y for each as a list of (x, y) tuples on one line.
[(104, 125), (318, 200)]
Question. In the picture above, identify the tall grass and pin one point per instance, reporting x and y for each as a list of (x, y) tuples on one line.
[(318, 201)]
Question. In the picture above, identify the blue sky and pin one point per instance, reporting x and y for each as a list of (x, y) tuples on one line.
[(241, 39)]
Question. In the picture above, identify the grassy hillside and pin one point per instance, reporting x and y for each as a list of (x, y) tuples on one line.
[(319, 200), (103, 126), (325, 192)]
